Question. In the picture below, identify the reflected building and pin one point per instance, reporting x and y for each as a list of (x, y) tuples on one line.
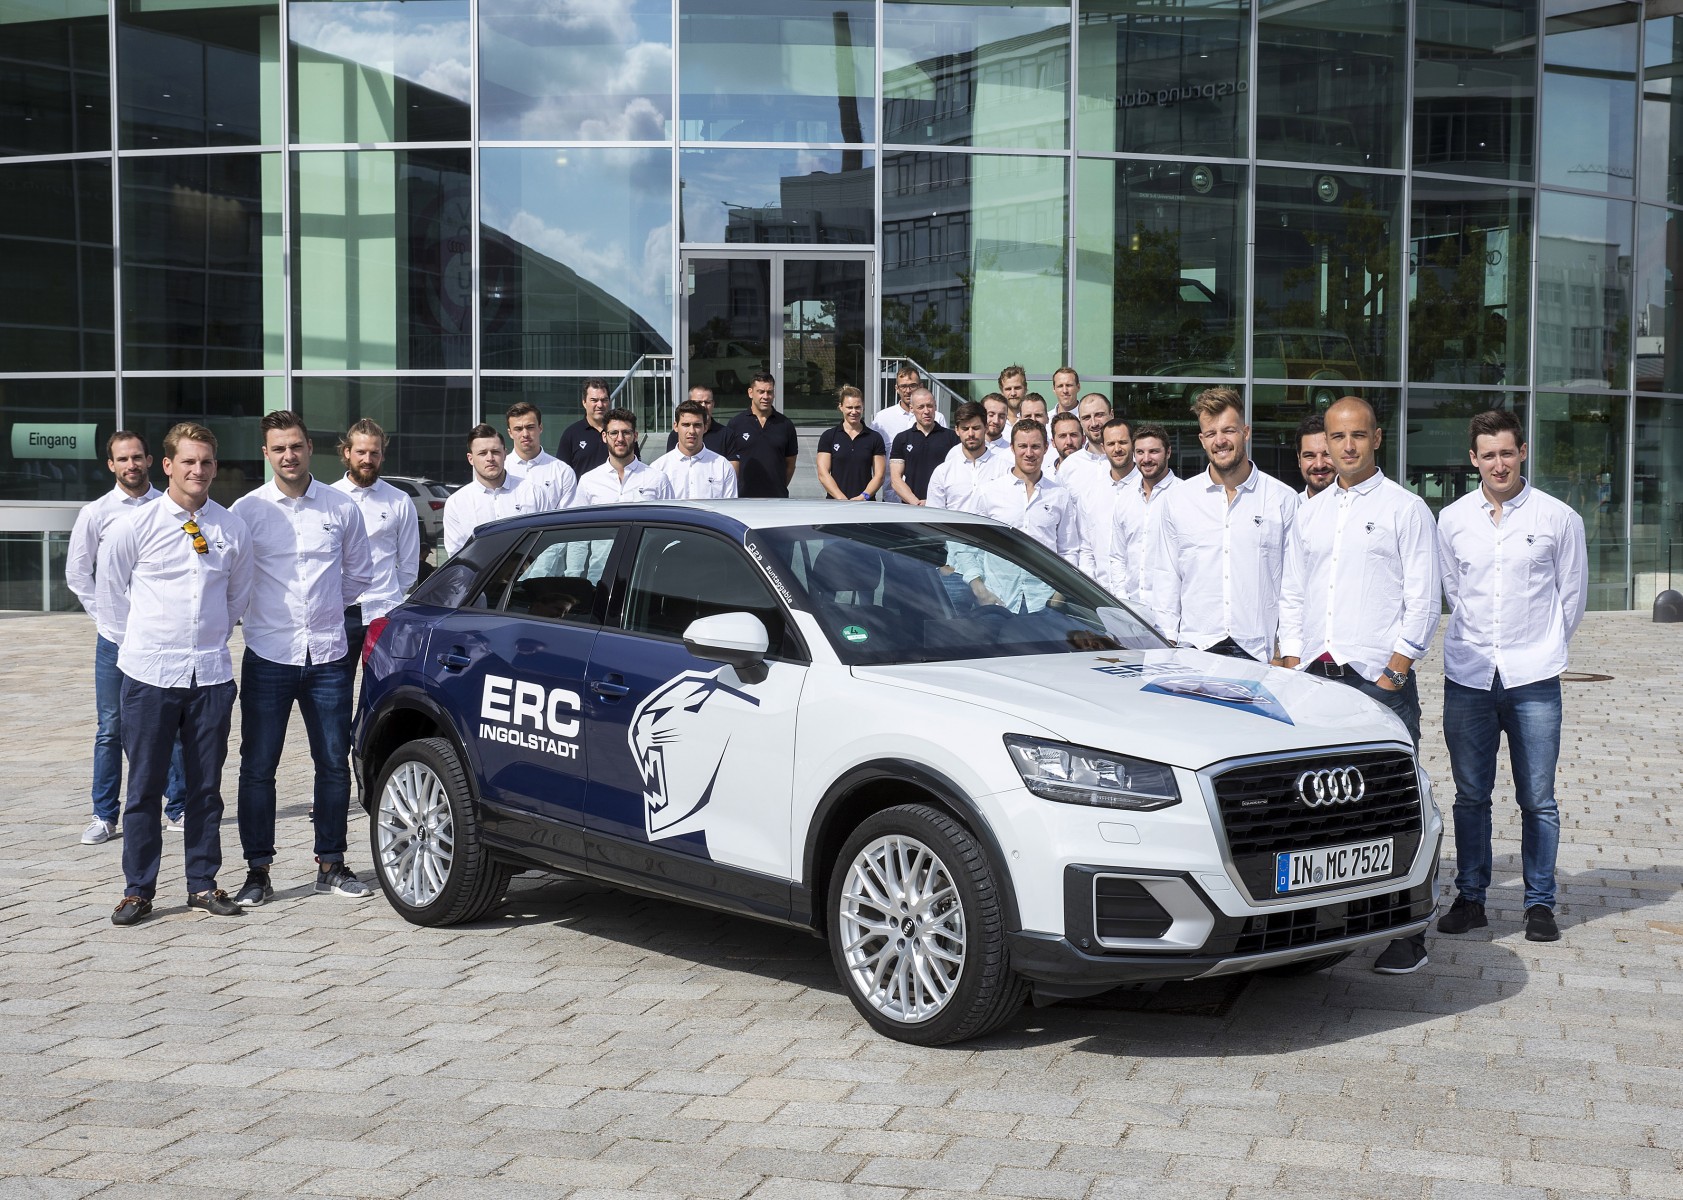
[(209, 209)]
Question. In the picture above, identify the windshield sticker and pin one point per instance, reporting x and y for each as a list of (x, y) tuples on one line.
[(855, 633), (754, 552), (676, 742), (1243, 695)]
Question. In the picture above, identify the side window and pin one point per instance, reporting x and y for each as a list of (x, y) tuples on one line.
[(560, 576), (681, 575)]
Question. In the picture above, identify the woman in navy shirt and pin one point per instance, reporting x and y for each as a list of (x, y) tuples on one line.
[(852, 460)]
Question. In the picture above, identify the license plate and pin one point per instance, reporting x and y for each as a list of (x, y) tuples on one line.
[(1304, 869)]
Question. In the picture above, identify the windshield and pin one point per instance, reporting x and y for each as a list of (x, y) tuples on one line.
[(912, 593)]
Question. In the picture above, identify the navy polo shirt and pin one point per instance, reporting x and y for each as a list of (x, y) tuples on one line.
[(852, 459), (922, 454), (762, 451), (713, 437), (582, 447)]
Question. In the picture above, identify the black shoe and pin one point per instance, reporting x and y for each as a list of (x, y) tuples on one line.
[(130, 910), (1402, 957), (1463, 915), (256, 890), (1539, 924), (215, 902)]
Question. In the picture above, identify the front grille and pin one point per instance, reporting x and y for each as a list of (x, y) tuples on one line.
[(1263, 815), (1330, 922), (1123, 909)]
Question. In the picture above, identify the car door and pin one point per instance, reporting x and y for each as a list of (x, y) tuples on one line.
[(516, 666), (691, 761)]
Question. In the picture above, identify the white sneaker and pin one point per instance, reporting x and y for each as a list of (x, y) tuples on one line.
[(174, 824), (98, 831)]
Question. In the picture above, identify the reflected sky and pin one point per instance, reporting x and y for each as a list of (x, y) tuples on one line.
[(823, 195), (422, 41)]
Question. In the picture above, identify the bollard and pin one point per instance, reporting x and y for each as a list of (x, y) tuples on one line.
[(1668, 606)]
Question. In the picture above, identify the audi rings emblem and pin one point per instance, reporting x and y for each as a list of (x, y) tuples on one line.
[(1333, 785)]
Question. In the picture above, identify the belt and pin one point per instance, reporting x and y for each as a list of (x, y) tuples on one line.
[(1326, 668)]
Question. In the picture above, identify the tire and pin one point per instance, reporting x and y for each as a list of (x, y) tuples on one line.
[(965, 987), (423, 834), (1305, 966)]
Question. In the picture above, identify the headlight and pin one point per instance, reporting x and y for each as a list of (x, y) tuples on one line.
[(1077, 775)]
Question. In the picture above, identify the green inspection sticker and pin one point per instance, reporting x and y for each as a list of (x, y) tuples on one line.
[(855, 633)]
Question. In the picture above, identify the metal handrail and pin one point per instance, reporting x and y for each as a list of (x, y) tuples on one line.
[(946, 398), (646, 389)]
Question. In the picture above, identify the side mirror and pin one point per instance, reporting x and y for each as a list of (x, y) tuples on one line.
[(735, 638)]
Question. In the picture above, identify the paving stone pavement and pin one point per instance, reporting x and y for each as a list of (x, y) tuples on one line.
[(589, 1043)]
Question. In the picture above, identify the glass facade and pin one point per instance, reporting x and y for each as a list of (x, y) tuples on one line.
[(422, 212)]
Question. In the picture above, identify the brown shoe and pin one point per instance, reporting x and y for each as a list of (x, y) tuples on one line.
[(130, 910)]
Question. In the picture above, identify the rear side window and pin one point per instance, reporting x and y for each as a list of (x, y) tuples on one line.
[(681, 575), (561, 576)]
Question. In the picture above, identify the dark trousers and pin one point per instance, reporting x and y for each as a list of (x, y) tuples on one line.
[(153, 719), (322, 692), (1404, 702)]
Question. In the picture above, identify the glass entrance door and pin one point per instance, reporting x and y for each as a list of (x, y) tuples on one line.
[(802, 316)]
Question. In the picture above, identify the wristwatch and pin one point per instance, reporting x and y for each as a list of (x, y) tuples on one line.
[(1397, 677)]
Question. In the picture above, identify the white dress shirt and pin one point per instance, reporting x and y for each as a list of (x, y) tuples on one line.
[(604, 485), (1049, 517), (703, 476), (1133, 538), (1215, 571), (394, 543), (954, 484), (1096, 496), (309, 562), (1516, 590), (1081, 462), (551, 481), (170, 608), (85, 538), (473, 504), (1361, 577)]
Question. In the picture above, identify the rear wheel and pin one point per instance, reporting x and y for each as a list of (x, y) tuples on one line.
[(917, 929), (424, 836)]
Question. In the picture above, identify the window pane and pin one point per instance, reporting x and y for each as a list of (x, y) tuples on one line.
[(202, 263), (681, 576), (56, 447), (383, 247), (1579, 457), (973, 261), (1657, 506), (1469, 283), (379, 72), (577, 253), (600, 72), (1164, 81), (1583, 292), (800, 197), (1475, 86), (1328, 246), (426, 422), (1160, 270), (560, 401), (1589, 99), (561, 579), (1659, 352), (1662, 111), (976, 74), (55, 80), (1330, 81), (1439, 469), (230, 408), (55, 266), (1276, 412), (777, 70), (198, 73)]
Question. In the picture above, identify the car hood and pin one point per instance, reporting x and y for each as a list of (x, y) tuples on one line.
[(1181, 707)]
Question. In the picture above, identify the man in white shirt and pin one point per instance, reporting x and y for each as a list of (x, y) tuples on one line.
[(892, 420), (1097, 493), (999, 418), (173, 580), (1133, 531), (968, 465), (1093, 412), (1221, 542), (1032, 407), (1065, 384), (1359, 596), (310, 561), (1514, 569), (1013, 385), (622, 478), (694, 471), (489, 496), (1066, 443), (550, 480), (388, 518), (1028, 500), (130, 460), (1314, 460)]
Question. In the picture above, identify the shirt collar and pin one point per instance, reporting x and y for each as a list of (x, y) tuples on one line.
[(151, 493), (1524, 494), (1211, 484), (311, 492), (1365, 486)]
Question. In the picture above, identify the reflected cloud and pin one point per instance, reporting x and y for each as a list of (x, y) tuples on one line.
[(422, 41)]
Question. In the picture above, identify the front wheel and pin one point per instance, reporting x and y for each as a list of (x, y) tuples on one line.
[(424, 836), (917, 929)]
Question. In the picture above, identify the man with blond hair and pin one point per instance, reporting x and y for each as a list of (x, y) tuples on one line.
[(388, 518)]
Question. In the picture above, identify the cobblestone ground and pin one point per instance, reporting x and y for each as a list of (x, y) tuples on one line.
[(590, 1043)]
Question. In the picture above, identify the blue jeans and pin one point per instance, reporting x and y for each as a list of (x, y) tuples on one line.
[(108, 742), (322, 692), (158, 724), (1473, 723), (1404, 702)]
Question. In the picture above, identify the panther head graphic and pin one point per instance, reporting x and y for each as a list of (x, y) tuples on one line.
[(678, 738)]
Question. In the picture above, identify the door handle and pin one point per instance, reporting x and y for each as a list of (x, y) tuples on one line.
[(612, 691), (454, 661)]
